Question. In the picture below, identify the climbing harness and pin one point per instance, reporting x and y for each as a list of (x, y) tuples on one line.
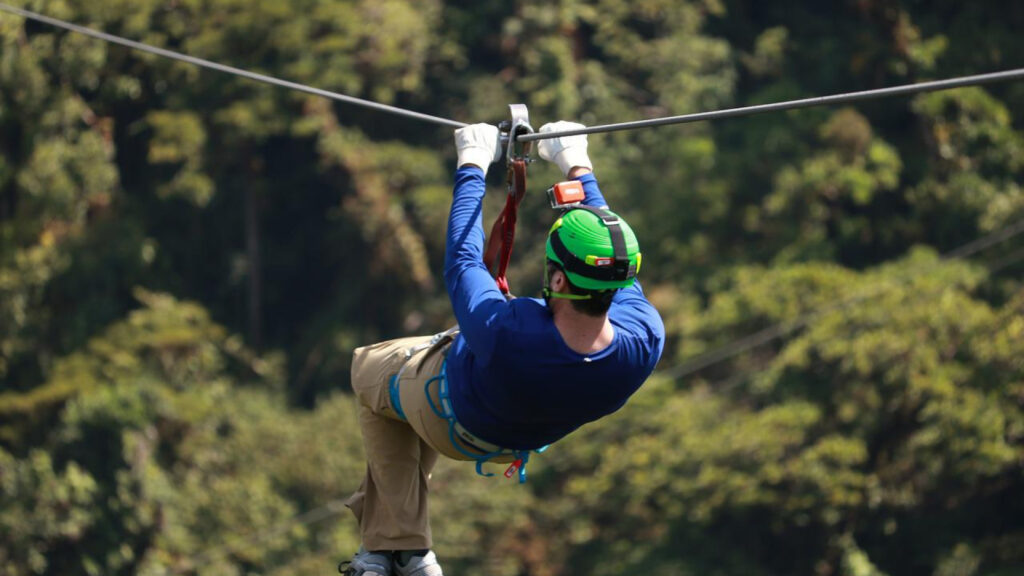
[(458, 432), (393, 390), (517, 183), (517, 157), (445, 411)]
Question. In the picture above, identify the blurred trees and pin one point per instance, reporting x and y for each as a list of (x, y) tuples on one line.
[(187, 260)]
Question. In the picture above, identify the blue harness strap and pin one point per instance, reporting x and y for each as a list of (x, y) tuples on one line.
[(393, 389), (446, 412), (455, 430), (396, 398)]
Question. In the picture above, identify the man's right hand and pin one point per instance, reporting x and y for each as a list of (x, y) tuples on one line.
[(568, 152), (478, 145)]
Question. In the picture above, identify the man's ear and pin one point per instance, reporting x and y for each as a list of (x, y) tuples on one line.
[(559, 283)]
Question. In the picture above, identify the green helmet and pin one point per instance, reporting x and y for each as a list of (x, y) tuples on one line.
[(596, 249)]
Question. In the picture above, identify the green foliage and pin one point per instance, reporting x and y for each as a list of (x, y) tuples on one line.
[(829, 189), (976, 161), (187, 260), (179, 141), (40, 507)]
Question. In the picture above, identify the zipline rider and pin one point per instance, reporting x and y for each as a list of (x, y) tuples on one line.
[(517, 374)]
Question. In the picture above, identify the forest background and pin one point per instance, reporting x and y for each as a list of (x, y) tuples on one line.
[(187, 260)]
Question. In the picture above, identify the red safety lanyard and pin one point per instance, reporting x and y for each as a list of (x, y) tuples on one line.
[(517, 156), (503, 232)]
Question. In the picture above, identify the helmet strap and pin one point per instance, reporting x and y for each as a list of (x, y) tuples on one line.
[(620, 269), (548, 294), (565, 295)]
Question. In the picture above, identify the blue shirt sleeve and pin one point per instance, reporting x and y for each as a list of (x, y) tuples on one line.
[(476, 300), (480, 308), (501, 366), (593, 196)]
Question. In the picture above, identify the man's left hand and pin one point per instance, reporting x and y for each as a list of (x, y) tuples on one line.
[(478, 145)]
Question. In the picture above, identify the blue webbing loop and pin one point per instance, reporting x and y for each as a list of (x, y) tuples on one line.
[(442, 394), (480, 469), (523, 455), (396, 399), (446, 412)]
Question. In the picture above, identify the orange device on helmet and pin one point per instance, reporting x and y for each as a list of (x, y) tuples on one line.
[(566, 194)]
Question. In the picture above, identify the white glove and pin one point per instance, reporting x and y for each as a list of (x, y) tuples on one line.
[(565, 151), (478, 144)]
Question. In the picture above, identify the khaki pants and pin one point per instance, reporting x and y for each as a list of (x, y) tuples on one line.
[(391, 503)]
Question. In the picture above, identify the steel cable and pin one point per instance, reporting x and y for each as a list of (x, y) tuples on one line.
[(689, 367), (229, 69), (958, 82), (961, 81)]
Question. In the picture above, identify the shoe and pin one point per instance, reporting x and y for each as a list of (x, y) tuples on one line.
[(367, 564), (420, 566)]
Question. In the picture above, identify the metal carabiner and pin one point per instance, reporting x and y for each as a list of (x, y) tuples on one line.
[(510, 130)]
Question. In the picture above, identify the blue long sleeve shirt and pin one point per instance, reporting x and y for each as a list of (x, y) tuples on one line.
[(513, 380)]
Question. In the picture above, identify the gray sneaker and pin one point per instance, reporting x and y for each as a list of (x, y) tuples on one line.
[(420, 566), (367, 564)]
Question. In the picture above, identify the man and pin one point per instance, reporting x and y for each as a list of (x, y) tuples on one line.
[(516, 375)]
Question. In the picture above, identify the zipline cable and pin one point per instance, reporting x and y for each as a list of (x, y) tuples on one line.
[(229, 69), (704, 360), (780, 329), (700, 362), (958, 82), (692, 366)]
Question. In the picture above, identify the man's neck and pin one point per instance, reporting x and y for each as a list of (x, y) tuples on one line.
[(582, 333)]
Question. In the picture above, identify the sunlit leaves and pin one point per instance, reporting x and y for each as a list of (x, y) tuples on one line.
[(40, 507), (826, 191), (884, 415)]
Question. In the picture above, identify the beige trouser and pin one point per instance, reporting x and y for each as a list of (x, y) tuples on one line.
[(391, 504)]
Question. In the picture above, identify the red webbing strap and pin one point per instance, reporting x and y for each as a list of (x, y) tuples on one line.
[(503, 232)]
